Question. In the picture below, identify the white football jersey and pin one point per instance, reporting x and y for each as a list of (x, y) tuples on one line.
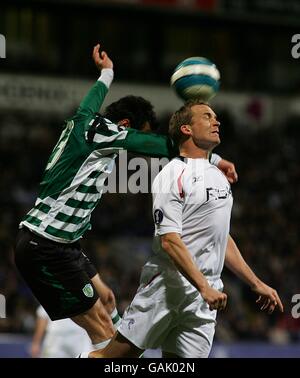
[(192, 198), (63, 338), (62, 327)]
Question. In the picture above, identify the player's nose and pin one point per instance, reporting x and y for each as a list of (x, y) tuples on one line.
[(217, 123)]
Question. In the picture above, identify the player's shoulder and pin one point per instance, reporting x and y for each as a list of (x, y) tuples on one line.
[(170, 173), (214, 174), (212, 169), (173, 167)]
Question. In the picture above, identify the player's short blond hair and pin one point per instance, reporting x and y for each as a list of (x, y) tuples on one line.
[(182, 116)]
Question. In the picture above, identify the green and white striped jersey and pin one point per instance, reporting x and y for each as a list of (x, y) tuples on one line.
[(73, 180)]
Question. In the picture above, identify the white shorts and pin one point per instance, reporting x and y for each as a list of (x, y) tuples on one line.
[(175, 319), (65, 345)]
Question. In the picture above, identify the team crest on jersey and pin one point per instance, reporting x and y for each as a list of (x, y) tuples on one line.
[(158, 216), (88, 290), (217, 194)]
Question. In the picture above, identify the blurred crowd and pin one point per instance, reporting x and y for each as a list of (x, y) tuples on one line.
[(265, 224)]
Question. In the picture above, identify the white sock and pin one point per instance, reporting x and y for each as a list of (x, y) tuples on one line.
[(115, 317), (101, 345), (96, 347), (116, 322)]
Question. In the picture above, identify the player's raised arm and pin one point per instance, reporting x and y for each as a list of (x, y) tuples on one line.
[(95, 97)]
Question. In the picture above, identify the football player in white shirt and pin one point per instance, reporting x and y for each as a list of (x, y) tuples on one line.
[(59, 338), (181, 290)]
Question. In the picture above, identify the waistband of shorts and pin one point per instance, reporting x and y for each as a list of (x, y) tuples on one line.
[(42, 239)]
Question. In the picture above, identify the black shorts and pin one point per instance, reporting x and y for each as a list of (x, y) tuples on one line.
[(58, 274)]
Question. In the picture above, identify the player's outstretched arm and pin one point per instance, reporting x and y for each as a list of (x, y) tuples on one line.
[(148, 144), (268, 297)]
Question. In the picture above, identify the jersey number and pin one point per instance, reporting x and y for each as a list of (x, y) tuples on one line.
[(60, 145)]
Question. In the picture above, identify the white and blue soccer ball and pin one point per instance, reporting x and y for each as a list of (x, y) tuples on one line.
[(196, 78)]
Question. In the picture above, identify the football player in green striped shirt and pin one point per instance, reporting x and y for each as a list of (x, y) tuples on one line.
[(48, 253)]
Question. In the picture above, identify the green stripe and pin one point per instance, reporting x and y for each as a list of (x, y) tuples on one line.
[(81, 204), (116, 319), (54, 282), (69, 218), (54, 196), (87, 189), (33, 220), (67, 235), (67, 299), (43, 207)]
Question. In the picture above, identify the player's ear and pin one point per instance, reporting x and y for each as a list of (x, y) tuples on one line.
[(124, 122), (186, 129)]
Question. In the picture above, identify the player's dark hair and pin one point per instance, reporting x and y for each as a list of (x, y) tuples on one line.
[(135, 108), (182, 116)]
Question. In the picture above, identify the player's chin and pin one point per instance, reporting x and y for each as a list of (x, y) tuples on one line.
[(215, 139)]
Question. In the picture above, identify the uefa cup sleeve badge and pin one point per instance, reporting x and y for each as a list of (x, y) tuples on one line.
[(158, 216)]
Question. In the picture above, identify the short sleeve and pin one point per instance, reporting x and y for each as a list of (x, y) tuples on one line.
[(215, 159), (168, 202), (41, 313)]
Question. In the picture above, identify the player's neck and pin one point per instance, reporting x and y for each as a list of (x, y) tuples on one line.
[(193, 152)]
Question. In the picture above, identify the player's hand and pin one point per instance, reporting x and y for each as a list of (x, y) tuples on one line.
[(214, 298), (105, 293), (228, 168), (268, 298), (101, 59), (35, 349)]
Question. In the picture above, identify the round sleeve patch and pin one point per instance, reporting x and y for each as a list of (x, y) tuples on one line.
[(158, 216)]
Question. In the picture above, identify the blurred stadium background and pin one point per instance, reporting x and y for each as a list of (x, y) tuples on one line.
[(46, 72)]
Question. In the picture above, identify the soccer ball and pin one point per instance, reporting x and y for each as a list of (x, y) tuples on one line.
[(196, 78)]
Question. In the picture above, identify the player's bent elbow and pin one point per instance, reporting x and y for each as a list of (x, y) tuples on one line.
[(167, 241), (165, 244)]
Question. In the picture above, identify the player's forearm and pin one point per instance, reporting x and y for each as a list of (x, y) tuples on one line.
[(96, 95), (149, 144), (40, 329), (176, 249), (235, 262)]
